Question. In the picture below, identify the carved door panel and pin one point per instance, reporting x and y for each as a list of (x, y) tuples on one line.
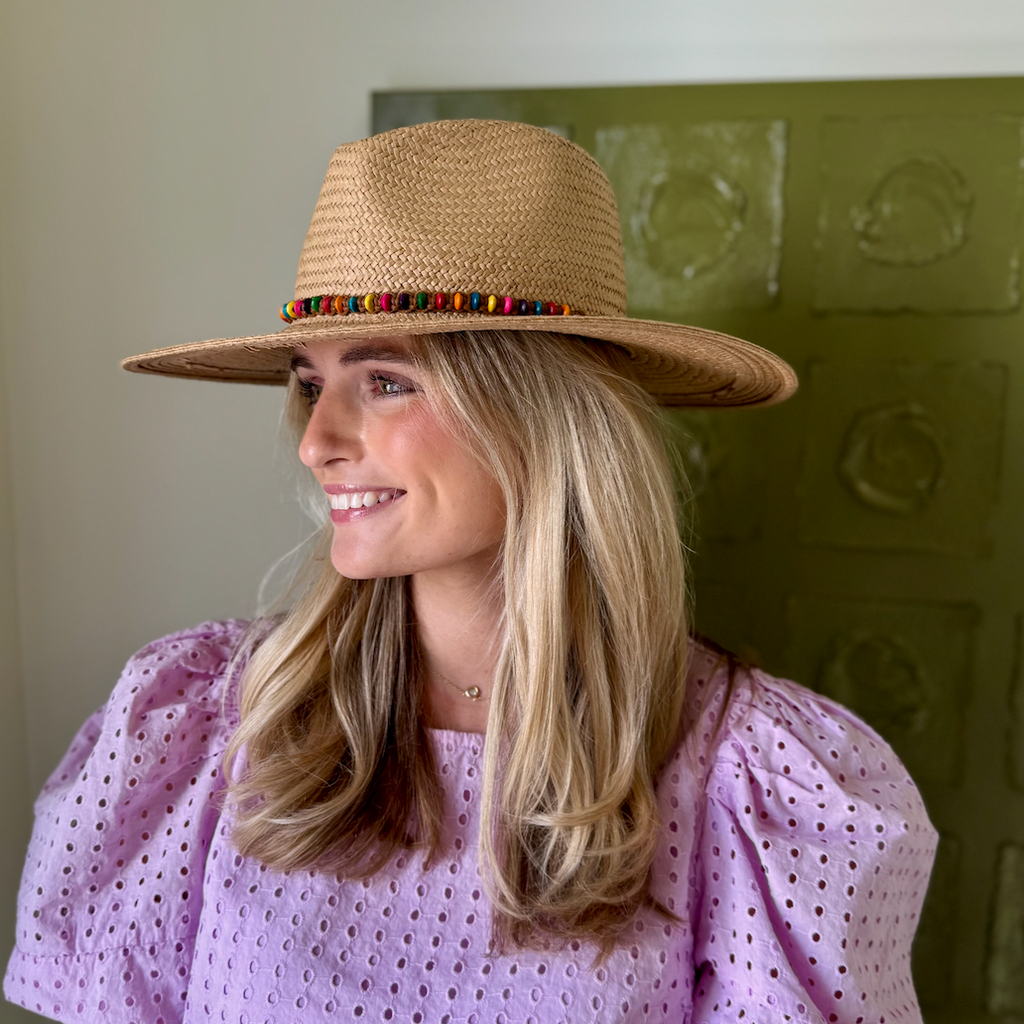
[(867, 537)]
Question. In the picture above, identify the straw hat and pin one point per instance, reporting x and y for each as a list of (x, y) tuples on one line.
[(476, 225)]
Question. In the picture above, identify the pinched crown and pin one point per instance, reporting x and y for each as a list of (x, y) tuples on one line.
[(499, 208)]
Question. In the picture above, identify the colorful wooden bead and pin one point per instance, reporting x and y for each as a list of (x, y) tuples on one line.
[(386, 302)]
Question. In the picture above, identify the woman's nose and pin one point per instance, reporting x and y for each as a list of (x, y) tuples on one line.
[(331, 434)]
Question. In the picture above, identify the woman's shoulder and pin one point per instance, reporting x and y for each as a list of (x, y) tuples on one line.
[(207, 635), (192, 665), (812, 841), (206, 648), (751, 729), (131, 808), (174, 703)]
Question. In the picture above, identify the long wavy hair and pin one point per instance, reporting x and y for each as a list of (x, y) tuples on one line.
[(332, 767)]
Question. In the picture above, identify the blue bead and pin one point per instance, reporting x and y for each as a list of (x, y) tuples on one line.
[(353, 303), (474, 300), (538, 308)]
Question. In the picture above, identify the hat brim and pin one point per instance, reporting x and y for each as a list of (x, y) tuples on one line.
[(678, 365)]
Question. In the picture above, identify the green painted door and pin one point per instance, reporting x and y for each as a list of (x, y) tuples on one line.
[(866, 538)]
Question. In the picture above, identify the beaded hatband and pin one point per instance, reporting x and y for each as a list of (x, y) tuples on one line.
[(416, 302)]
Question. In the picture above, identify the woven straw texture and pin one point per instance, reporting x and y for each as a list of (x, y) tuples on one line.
[(504, 208), (487, 206)]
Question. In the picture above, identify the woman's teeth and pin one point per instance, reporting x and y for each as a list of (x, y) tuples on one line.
[(359, 499)]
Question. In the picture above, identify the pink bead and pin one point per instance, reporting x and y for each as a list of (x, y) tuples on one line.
[(508, 305)]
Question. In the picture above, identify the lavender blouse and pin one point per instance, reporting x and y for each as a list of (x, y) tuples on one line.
[(795, 855)]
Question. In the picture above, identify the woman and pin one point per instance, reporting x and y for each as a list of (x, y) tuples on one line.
[(476, 771)]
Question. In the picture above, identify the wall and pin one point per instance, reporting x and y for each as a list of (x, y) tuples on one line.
[(159, 167)]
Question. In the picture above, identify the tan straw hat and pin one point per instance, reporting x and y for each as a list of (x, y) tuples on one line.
[(476, 225)]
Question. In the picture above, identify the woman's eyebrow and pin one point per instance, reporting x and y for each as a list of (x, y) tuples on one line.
[(358, 354)]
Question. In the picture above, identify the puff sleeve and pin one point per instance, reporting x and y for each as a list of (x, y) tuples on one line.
[(112, 885), (813, 860)]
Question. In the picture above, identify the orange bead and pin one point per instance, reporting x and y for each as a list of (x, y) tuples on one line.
[(457, 300)]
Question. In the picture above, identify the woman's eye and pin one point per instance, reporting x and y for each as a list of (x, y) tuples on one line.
[(388, 385), (309, 391)]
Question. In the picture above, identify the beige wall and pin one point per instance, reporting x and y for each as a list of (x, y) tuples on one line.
[(159, 165), (15, 795)]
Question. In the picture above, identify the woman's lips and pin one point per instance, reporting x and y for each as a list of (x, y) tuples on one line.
[(349, 504)]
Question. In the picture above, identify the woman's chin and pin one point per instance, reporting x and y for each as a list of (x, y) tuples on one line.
[(365, 567), (359, 572)]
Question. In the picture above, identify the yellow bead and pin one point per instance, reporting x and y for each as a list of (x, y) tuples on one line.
[(492, 303), (368, 302)]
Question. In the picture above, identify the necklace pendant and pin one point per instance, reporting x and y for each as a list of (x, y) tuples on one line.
[(473, 693)]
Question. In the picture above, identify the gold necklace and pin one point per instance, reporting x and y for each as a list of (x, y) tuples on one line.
[(472, 692)]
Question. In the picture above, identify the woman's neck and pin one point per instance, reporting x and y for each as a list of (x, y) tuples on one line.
[(457, 623)]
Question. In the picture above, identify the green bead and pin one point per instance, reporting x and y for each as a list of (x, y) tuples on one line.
[(421, 300)]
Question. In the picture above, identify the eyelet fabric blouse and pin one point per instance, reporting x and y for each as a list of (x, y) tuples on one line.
[(795, 855)]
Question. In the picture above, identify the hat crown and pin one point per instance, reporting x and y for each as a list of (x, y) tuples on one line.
[(487, 206)]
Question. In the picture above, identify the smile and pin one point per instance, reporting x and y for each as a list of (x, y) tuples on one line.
[(360, 499)]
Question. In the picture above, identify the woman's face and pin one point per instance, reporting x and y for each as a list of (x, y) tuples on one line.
[(406, 495)]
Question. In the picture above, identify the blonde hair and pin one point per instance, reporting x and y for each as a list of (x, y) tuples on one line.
[(589, 685)]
